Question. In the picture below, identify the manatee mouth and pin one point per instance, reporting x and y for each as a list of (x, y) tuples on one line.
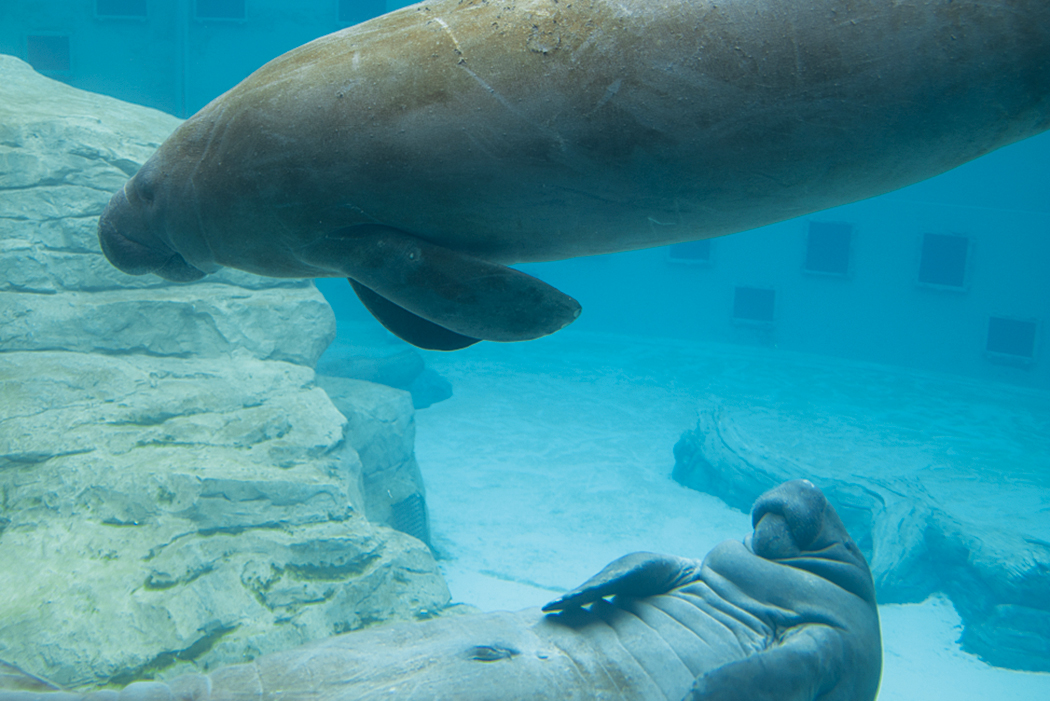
[(133, 257)]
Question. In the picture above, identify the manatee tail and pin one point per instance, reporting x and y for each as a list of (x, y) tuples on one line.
[(436, 298)]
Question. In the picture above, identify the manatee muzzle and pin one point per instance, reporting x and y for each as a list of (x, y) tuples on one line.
[(118, 226), (795, 526), (787, 519)]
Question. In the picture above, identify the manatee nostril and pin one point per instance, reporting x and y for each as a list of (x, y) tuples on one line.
[(800, 504), (773, 539)]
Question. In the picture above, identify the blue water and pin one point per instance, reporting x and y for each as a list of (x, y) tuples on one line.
[(906, 333)]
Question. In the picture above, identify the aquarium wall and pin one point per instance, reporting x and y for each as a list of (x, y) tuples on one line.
[(947, 275), (174, 55)]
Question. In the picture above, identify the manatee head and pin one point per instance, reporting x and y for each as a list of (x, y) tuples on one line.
[(795, 525), (130, 234)]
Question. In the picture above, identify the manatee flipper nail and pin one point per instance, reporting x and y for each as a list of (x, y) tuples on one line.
[(466, 295), (637, 574), (408, 326)]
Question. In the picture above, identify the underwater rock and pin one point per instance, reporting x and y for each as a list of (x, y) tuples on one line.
[(429, 388), (388, 364), (381, 428), (199, 320), (177, 491), (998, 580), (166, 511)]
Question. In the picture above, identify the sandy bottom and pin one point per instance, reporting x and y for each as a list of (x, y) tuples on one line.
[(554, 457)]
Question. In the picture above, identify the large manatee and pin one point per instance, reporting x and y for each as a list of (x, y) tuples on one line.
[(788, 614), (421, 152)]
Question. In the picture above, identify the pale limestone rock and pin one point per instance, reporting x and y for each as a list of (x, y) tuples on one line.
[(158, 505), (175, 489), (388, 363), (392, 482), (202, 320)]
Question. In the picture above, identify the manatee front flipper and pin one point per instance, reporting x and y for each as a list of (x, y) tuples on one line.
[(637, 575), (407, 326), (470, 297), (810, 664)]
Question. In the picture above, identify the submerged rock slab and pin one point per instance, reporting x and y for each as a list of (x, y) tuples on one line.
[(98, 607), (391, 480), (165, 511), (961, 512), (175, 489), (201, 320), (395, 364)]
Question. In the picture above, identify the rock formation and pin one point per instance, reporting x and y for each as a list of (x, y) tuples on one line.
[(394, 364), (380, 428), (176, 490)]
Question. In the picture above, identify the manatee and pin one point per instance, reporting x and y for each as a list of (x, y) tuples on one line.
[(422, 152), (788, 613)]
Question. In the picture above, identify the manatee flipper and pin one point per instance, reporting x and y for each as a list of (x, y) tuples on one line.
[(468, 296), (638, 574), (811, 663), (408, 326)]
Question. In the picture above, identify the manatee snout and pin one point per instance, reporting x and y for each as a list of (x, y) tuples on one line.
[(130, 245), (116, 222), (787, 520), (795, 523)]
